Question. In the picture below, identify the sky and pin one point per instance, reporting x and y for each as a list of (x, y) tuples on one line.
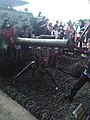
[(61, 10)]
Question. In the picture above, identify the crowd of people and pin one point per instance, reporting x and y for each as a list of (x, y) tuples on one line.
[(69, 30), (59, 30)]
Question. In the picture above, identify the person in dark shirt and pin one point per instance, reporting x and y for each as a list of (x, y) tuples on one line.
[(61, 31), (56, 26), (85, 77)]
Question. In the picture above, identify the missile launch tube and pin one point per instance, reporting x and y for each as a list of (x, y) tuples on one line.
[(63, 43)]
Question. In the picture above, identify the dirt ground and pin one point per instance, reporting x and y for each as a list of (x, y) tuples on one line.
[(38, 94)]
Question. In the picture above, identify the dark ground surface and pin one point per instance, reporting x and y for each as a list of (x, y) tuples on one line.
[(37, 93)]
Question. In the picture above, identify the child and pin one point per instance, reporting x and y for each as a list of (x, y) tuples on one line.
[(18, 52)]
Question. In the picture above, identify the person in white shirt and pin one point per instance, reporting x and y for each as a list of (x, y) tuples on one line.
[(55, 33)]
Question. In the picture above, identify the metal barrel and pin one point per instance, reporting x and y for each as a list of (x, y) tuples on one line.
[(63, 43)]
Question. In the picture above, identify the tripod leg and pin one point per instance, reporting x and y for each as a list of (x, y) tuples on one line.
[(22, 71)]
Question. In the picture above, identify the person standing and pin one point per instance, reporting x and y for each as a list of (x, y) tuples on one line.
[(7, 34), (56, 26), (88, 33), (55, 33), (61, 31)]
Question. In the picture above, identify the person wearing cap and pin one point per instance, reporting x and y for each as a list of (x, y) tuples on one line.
[(7, 34), (84, 78)]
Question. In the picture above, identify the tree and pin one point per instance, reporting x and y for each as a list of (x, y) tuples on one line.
[(39, 25)]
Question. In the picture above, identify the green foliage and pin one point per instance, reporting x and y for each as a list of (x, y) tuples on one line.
[(16, 18), (20, 19), (39, 25), (4, 15)]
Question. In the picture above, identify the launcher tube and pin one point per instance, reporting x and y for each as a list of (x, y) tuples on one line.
[(44, 42)]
